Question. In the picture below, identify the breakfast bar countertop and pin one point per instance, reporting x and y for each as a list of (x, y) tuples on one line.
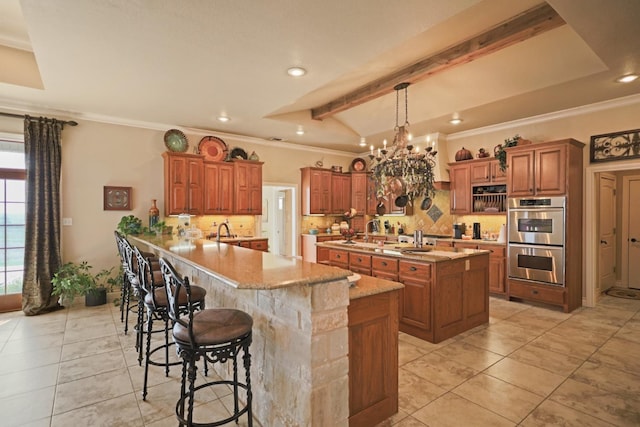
[(243, 268)]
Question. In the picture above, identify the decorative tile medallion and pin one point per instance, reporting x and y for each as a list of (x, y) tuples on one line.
[(434, 213)]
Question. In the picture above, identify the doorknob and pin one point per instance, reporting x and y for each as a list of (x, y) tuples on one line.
[(633, 240), (603, 242)]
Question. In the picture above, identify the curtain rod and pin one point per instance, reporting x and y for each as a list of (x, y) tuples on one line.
[(22, 116)]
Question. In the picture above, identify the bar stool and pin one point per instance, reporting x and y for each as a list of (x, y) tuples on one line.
[(215, 334), (155, 302)]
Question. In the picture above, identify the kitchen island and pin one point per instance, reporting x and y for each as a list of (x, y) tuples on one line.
[(446, 289), (303, 329)]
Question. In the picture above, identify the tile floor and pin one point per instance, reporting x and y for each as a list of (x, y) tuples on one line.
[(529, 366)]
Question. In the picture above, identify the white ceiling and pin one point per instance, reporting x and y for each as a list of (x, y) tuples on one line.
[(182, 63)]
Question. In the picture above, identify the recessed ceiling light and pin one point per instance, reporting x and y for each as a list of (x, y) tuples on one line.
[(300, 131), (627, 78), (296, 71), (223, 119), (455, 121), (363, 142)]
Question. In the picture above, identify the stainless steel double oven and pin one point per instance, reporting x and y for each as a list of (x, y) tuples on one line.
[(536, 239)]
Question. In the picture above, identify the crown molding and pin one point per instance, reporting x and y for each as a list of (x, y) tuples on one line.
[(561, 114)]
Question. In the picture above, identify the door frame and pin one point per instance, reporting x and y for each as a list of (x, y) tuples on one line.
[(589, 297), (613, 177), (295, 203), (625, 227)]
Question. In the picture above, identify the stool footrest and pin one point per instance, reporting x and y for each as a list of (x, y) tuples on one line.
[(233, 417)]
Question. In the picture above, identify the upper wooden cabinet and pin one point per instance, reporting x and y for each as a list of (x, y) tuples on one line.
[(340, 192), (486, 172), (359, 192), (316, 191), (218, 188), (541, 169), (183, 186), (460, 194), (196, 187), (248, 187)]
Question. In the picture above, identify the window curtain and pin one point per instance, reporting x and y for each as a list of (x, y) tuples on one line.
[(42, 254)]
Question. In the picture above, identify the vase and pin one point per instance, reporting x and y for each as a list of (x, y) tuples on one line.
[(154, 214)]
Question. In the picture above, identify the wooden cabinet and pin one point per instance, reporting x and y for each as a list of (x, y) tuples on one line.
[(373, 359), (339, 258), (372, 199), (384, 268), (313, 253), (248, 187), (497, 264), (256, 244), (359, 192), (316, 191), (360, 263), (340, 193), (415, 298), (183, 183), (537, 170), (486, 171), (218, 188), (460, 193)]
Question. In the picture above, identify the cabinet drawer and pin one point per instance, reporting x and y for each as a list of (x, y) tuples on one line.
[(465, 245), (387, 265), (444, 243), (414, 270), (340, 258), (244, 244), (495, 250), (259, 245), (360, 260), (539, 293)]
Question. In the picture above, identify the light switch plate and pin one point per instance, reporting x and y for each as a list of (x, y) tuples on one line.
[(67, 221)]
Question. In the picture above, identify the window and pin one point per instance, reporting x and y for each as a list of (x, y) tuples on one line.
[(12, 217)]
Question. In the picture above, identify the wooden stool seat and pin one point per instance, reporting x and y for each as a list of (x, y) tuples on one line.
[(214, 326)]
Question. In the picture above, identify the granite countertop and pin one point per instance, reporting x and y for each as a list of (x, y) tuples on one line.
[(476, 241), (237, 238), (367, 285), (241, 267), (406, 251)]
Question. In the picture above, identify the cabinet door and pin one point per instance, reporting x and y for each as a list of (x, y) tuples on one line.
[(316, 191), (460, 194), (260, 245), (340, 193), (359, 192), (498, 175), (183, 175), (480, 173), (339, 258), (415, 299), (550, 171), (218, 188), (520, 174), (195, 187), (248, 188), (497, 267), (372, 199)]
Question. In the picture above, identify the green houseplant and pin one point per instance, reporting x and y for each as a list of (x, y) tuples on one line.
[(501, 155), (73, 280), (130, 224)]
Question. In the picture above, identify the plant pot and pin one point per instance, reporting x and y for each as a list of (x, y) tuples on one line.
[(95, 297)]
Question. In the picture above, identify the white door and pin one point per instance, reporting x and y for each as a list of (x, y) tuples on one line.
[(633, 236), (606, 232), (281, 223)]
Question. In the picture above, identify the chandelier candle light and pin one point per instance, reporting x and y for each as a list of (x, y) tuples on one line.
[(402, 170)]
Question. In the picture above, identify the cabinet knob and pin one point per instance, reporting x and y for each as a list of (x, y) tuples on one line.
[(384, 264), (359, 259), (412, 269), (534, 292)]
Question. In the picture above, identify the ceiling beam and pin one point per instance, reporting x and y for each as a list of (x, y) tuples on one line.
[(524, 26)]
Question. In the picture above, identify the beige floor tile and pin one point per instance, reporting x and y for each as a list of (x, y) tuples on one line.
[(28, 380), (101, 330), (607, 378), (90, 347), (394, 419), (22, 409), (469, 355), (580, 345), (507, 400), (414, 392), (439, 370), (35, 343), (550, 413), (156, 375), (514, 331), (604, 405), (423, 345), (33, 359), (551, 361), (26, 330), (89, 366), (408, 352), (501, 309), (585, 323), (409, 422), (537, 319), (630, 331), (496, 342), (43, 422), (92, 390), (451, 410), (620, 354), (121, 411), (525, 376)]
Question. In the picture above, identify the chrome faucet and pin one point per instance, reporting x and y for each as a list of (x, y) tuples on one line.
[(220, 228), (366, 228)]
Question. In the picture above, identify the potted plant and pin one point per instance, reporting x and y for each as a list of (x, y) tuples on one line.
[(501, 155), (73, 280), (130, 224)]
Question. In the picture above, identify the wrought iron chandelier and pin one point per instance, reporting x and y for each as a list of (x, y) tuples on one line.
[(401, 169)]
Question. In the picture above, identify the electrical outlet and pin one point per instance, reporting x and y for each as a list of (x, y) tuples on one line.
[(67, 221)]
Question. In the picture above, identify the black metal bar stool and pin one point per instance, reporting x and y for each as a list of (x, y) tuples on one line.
[(215, 334), (155, 302)]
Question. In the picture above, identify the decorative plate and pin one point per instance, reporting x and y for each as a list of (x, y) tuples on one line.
[(358, 165), (212, 148), (238, 153), (176, 141)]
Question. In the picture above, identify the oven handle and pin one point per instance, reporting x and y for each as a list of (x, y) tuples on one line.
[(535, 246)]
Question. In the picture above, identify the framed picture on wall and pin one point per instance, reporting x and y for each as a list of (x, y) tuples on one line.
[(117, 198), (615, 146)]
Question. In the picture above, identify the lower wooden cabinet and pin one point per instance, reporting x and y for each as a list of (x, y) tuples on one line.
[(339, 258), (415, 300), (258, 244), (373, 359), (360, 263), (497, 264), (384, 268)]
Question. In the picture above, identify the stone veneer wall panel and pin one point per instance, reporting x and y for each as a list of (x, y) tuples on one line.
[(300, 362)]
